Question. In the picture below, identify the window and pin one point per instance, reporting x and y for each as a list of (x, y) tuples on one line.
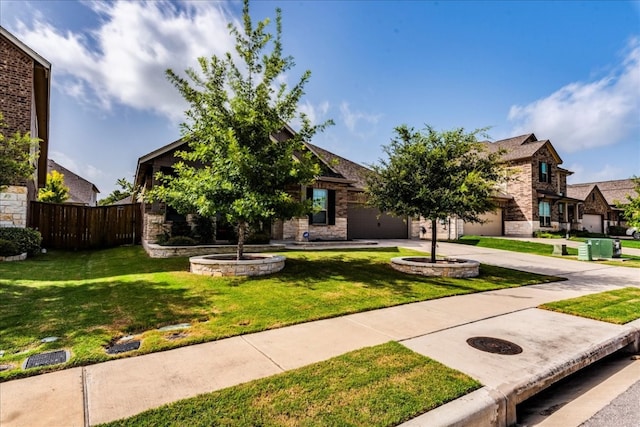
[(320, 205), (544, 211), (324, 206), (544, 172)]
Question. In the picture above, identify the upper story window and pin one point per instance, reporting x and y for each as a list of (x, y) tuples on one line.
[(544, 211), (544, 172)]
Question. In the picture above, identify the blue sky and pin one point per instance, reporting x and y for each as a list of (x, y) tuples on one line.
[(566, 71)]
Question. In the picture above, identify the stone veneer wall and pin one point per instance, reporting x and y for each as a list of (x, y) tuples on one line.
[(14, 207), (152, 226)]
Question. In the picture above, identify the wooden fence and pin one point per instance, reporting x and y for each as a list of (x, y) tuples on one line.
[(86, 227)]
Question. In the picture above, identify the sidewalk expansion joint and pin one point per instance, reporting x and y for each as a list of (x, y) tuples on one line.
[(364, 325), (85, 397), (464, 324), (263, 353)]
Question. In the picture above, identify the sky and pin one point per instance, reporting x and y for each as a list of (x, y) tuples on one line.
[(567, 71)]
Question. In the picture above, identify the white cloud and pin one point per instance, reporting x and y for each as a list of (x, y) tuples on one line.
[(584, 115), (86, 171), (315, 113), (354, 120), (125, 58), (607, 172)]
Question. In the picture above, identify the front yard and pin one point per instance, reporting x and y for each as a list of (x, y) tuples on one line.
[(90, 299)]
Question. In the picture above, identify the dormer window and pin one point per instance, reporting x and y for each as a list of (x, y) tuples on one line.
[(544, 172)]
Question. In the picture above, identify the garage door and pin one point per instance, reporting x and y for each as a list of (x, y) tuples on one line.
[(363, 223), (493, 226), (593, 223)]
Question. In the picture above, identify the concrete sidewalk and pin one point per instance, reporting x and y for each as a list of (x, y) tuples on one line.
[(554, 345)]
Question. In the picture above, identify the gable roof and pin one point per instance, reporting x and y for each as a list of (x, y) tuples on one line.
[(521, 147), (615, 191), (79, 188), (349, 170)]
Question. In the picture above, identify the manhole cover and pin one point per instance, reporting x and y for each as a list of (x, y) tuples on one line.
[(46, 359), (494, 345), (123, 347)]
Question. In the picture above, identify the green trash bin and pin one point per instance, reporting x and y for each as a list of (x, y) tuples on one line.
[(601, 248), (584, 252)]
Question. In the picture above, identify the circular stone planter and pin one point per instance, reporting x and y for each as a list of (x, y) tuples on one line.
[(227, 265), (449, 267), (20, 257)]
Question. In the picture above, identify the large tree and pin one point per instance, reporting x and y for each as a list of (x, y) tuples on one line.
[(632, 207), (435, 175), (237, 165), (126, 189), (17, 155)]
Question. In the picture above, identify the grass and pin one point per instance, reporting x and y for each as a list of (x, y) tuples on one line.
[(89, 299), (538, 248), (383, 385), (511, 245), (619, 306)]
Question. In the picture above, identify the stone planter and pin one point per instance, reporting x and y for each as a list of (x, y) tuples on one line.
[(449, 267), (20, 257), (227, 265)]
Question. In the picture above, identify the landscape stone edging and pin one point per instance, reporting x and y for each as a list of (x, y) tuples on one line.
[(207, 265), (461, 269), (20, 257), (158, 251)]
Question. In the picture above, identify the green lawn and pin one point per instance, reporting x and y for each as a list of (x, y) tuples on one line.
[(89, 299), (383, 385), (538, 249), (618, 306)]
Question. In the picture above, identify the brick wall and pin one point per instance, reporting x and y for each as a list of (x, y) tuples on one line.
[(16, 87), (14, 207)]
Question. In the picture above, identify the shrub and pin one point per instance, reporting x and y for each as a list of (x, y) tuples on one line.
[(180, 241), (26, 239), (8, 248)]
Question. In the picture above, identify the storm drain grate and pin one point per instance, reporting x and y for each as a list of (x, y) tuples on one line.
[(46, 359), (494, 345), (123, 347)]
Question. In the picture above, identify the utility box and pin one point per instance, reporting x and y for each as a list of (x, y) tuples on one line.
[(617, 248), (601, 248), (584, 252)]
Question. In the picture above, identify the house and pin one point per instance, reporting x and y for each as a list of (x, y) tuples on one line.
[(601, 201), (81, 191), (535, 195), (339, 190), (25, 81)]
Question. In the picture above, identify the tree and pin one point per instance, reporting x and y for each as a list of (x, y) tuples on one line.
[(126, 189), (435, 175), (632, 209), (17, 155), (54, 190), (236, 164)]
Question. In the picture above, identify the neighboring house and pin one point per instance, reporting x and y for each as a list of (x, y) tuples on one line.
[(25, 80), (81, 191), (339, 189), (535, 197), (601, 201)]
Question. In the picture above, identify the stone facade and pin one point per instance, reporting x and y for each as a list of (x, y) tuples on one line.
[(152, 226), (14, 207)]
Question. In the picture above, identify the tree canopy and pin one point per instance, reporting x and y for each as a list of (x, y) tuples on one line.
[(632, 208), (17, 156), (237, 164), (435, 175), (126, 189), (54, 190)]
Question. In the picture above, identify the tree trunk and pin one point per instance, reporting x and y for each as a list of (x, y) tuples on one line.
[(434, 236), (242, 228)]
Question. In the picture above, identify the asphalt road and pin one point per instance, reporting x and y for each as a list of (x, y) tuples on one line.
[(623, 411)]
